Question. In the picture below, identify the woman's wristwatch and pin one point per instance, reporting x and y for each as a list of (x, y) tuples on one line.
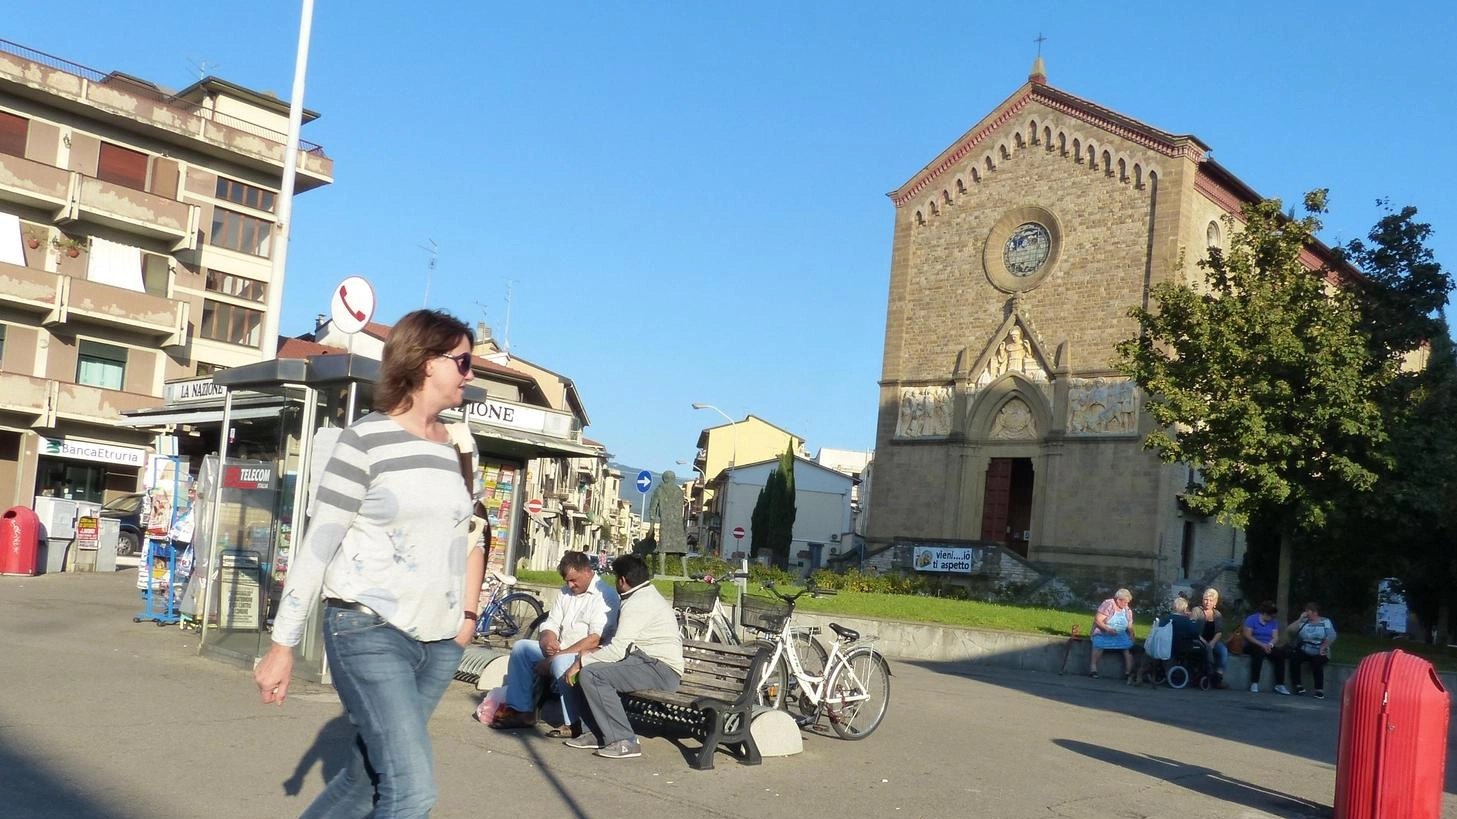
[(470, 615)]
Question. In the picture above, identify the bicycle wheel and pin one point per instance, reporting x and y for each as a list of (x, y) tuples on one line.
[(516, 617), (772, 684), (858, 694), (694, 626)]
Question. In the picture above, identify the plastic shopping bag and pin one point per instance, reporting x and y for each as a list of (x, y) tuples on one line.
[(486, 711), (1160, 641)]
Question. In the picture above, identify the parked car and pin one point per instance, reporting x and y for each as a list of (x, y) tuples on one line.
[(128, 510)]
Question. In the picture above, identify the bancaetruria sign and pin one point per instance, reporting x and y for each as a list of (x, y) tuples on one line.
[(88, 451)]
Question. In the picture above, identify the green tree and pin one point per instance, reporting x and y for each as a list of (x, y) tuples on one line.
[(1403, 526), (774, 512), (1263, 381)]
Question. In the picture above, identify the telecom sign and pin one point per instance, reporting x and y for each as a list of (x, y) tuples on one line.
[(644, 481), (351, 305)]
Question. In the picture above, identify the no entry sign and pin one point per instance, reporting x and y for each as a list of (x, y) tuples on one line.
[(738, 533), (533, 506)]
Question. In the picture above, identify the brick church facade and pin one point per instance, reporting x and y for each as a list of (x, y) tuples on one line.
[(1017, 254)]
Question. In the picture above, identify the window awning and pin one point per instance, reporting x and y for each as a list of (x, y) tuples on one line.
[(173, 415)]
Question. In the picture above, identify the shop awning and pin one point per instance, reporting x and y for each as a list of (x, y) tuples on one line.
[(209, 415), (527, 445)]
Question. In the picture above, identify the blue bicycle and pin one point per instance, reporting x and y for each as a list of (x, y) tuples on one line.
[(508, 614)]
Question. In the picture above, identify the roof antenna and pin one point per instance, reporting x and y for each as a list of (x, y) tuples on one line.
[(202, 67), (430, 269), (506, 331)]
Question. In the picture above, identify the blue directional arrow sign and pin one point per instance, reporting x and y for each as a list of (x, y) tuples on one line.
[(644, 481)]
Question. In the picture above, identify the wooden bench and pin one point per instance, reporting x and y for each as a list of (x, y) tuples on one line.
[(714, 702)]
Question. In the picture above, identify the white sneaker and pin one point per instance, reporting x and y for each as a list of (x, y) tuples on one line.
[(1254, 688), (1280, 689)]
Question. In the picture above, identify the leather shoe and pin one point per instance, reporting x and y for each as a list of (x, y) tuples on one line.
[(509, 718)]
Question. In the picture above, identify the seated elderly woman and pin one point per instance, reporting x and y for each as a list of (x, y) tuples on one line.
[(1113, 631)]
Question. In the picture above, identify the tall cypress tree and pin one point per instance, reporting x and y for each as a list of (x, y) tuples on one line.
[(774, 512)]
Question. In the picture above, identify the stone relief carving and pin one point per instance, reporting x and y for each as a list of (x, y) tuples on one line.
[(1014, 355), (1014, 421), (1101, 406), (925, 412)]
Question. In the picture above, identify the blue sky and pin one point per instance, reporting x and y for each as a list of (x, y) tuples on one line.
[(686, 199)]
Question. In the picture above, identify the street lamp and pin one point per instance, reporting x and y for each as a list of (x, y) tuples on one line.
[(733, 461)]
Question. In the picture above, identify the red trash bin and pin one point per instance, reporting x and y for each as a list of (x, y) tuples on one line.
[(1393, 751), (19, 541)]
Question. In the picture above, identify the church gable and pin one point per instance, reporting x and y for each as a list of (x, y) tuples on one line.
[(1044, 118), (1013, 348)]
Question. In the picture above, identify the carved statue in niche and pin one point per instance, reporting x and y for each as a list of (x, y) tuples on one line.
[(1099, 406), (1014, 421), (1015, 355), (924, 412)]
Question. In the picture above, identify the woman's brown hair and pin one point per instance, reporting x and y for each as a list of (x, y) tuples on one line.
[(415, 339)]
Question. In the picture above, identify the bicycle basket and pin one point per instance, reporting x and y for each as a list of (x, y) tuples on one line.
[(698, 597), (762, 613)]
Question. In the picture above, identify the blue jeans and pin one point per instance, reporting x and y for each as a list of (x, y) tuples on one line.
[(1216, 655), (521, 678), (389, 683)]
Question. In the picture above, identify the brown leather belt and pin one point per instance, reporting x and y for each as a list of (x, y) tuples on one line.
[(351, 605)]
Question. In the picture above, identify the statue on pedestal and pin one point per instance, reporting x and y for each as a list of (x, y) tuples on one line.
[(665, 507)]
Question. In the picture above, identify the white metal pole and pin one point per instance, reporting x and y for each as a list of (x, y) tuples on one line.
[(269, 346)]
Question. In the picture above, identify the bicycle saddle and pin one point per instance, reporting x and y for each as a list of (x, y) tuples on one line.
[(508, 579), (849, 635)]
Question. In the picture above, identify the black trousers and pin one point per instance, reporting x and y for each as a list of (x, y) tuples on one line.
[(1257, 655), (1317, 667)]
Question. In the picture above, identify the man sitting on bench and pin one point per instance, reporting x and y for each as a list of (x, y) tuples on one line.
[(645, 653), (582, 617)]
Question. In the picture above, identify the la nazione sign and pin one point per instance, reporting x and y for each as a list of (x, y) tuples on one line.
[(198, 389)]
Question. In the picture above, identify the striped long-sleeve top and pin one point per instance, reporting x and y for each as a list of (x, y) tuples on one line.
[(388, 528)]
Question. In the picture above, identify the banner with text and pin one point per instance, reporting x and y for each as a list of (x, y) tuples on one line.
[(958, 559)]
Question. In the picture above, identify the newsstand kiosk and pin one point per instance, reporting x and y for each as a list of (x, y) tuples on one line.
[(254, 506)]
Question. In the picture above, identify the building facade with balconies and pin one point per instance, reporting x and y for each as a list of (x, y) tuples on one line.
[(136, 230)]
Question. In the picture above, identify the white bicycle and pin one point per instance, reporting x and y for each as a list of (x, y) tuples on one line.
[(702, 615), (851, 685)]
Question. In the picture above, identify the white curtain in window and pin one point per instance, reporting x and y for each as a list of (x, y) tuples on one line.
[(11, 250), (99, 373), (116, 264)]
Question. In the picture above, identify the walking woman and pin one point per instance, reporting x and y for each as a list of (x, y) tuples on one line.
[(388, 548)]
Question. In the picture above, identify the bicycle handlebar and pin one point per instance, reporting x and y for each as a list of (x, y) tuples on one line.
[(809, 588)]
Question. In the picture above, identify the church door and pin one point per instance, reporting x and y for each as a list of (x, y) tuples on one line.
[(1006, 511), (994, 504)]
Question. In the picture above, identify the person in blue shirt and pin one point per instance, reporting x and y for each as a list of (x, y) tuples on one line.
[(1261, 632)]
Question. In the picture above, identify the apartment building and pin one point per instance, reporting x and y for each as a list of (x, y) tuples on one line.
[(720, 448), (136, 230)]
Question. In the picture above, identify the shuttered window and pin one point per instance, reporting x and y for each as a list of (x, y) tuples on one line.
[(12, 133), (122, 166)]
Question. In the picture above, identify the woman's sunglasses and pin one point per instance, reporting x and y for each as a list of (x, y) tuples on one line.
[(462, 362)]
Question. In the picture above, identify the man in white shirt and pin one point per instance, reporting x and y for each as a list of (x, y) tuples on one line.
[(583, 617)]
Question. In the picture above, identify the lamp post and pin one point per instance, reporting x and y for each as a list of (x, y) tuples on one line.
[(733, 461)]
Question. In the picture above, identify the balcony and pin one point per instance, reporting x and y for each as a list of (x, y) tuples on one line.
[(65, 299), (106, 203), (27, 395), (94, 405), (139, 106), (29, 290), (72, 197), (34, 184), (91, 302)]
